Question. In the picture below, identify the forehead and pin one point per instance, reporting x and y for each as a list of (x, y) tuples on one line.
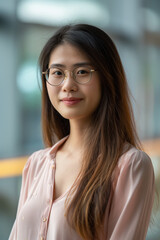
[(67, 54)]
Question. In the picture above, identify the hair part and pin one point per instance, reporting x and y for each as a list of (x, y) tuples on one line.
[(112, 125)]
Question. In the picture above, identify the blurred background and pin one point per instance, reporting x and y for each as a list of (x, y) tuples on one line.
[(25, 26)]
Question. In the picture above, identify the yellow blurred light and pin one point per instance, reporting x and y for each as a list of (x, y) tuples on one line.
[(12, 167)]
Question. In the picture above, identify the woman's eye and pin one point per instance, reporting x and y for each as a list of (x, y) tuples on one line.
[(82, 71), (56, 72)]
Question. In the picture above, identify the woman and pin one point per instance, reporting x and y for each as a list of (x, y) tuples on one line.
[(95, 182)]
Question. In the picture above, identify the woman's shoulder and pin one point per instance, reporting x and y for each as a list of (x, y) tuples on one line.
[(135, 159), (36, 161), (39, 159), (134, 165), (38, 156)]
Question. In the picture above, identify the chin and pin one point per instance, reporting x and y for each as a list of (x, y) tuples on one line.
[(70, 114), (70, 117)]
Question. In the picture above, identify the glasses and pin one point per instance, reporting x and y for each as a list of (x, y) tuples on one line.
[(55, 76)]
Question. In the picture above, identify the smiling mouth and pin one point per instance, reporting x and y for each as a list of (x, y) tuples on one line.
[(71, 101)]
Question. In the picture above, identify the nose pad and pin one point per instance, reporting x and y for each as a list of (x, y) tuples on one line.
[(65, 77), (68, 83), (70, 74)]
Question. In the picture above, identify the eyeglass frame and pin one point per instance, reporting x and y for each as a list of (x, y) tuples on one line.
[(73, 76)]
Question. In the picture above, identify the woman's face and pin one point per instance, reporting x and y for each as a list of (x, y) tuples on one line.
[(71, 99)]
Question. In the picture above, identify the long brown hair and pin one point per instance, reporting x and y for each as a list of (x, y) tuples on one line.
[(112, 125)]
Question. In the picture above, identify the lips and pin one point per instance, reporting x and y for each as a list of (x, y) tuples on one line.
[(71, 101)]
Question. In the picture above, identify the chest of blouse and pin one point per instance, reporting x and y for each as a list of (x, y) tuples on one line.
[(36, 210)]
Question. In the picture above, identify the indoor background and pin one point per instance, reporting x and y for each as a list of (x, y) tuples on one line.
[(25, 26)]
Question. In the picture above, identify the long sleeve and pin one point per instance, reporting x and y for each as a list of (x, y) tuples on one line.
[(133, 198), (26, 181)]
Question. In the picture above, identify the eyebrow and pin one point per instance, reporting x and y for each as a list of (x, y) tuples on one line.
[(80, 64)]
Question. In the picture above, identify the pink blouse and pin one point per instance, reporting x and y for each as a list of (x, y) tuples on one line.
[(127, 217)]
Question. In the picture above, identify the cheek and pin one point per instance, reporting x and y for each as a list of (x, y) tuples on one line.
[(52, 94), (94, 95)]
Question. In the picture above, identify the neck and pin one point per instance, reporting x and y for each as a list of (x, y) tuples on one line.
[(76, 138)]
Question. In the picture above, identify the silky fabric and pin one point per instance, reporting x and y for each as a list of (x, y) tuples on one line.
[(127, 214)]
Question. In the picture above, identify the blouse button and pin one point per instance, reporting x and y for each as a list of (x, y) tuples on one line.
[(44, 219), (49, 201), (53, 166)]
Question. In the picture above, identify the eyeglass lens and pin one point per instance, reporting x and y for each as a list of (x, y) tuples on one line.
[(55, 76)]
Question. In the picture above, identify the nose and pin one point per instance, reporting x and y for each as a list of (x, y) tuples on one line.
[(69, 84)]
